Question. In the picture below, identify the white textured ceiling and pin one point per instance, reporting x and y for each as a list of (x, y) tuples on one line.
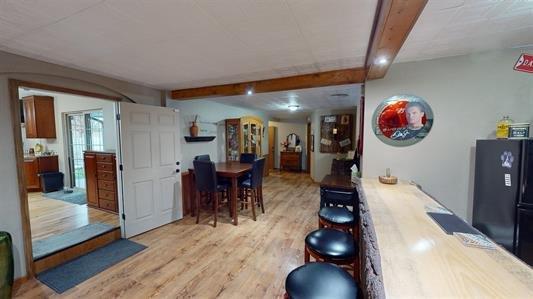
[(276, 104), (178, 44), (457, 27)]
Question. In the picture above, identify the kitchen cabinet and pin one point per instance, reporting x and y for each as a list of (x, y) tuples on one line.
[(33, 166), (39, 117), (101, 180)]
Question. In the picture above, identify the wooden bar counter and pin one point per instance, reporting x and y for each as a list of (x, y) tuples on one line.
[(405, 254)]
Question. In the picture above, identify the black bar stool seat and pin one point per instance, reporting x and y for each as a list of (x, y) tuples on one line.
[(320, 280), (332, 244), (337, 215)]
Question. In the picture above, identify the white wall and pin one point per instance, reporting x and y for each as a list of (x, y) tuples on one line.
[(67, 103), (468, 95), (286, 128), (22, 68), (321, 162), (211, 118)]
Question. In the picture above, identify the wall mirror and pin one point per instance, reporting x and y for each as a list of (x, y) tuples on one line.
[(293, 141)]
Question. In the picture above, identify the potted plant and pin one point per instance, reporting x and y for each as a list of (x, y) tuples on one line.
[(6, 265)]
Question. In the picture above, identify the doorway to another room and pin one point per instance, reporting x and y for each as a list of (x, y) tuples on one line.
[(58, 131)]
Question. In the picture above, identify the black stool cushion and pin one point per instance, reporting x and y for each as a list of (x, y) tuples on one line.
[(320, 280), (337, 215), (332, 244)]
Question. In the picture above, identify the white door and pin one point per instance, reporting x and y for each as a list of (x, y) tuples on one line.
[(150, 155)]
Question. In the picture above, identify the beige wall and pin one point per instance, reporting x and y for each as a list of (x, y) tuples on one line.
[(22, 68), (468, 95), (286, 128)]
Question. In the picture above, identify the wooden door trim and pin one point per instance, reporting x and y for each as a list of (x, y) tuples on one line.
[(308, 150), (36, 85), (13, 87)]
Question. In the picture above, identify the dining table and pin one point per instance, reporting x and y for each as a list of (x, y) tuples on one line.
[(232, 171)]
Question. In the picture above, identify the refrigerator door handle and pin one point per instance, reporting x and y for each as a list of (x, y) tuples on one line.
[(525, 206)]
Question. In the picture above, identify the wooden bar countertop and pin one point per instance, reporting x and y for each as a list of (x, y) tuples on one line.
[(419, 260)]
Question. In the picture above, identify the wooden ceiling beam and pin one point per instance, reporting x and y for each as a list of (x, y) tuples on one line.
[(392, 24), (337, 77)]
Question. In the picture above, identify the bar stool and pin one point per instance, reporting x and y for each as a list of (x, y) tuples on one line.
[(339, 218), (320, 280), (333, 246), (333, 216)]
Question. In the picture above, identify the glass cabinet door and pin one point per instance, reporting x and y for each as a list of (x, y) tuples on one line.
[(253, 138), (246, 138), (233, 141)]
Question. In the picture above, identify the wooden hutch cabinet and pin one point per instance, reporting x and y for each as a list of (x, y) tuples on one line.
[(243, 135), (39, 117), (101, 180)]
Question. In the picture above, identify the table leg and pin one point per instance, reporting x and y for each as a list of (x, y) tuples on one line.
[(192, 195), (234, 200)]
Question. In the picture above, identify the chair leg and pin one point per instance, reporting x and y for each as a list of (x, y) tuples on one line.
[(252, 202), (230, 204), (197, 197), (320, 224), (307, 256), (261, 199), (216, 207)]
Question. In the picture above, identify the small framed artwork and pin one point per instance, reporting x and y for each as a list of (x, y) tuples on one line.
[(312, 143), (345, 119), (402, 120)]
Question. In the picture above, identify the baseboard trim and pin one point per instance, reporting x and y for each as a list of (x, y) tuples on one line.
[(75, 251)]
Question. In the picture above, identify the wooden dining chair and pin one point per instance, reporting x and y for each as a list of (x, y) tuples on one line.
[(252, 187), (207, 183)]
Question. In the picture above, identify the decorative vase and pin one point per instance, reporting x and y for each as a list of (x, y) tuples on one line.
[(194, 129), (6, 265)]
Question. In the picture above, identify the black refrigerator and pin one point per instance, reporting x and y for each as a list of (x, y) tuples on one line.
[(503, 194)]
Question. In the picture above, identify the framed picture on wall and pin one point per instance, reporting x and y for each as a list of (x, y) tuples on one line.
[(402, 120), (312, 143)]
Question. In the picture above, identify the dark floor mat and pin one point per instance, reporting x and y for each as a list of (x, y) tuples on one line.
[(70, 274)]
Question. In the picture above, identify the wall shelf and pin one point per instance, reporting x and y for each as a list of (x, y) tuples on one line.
[(199, 138)]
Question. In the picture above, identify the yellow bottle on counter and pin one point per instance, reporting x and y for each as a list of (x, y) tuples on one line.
[(502, 127)]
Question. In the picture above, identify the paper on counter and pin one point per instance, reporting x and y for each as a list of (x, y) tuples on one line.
[(437, 209), (472, 240)]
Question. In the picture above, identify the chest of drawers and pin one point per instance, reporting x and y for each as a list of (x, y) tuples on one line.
[(290, 161), (101, 180)]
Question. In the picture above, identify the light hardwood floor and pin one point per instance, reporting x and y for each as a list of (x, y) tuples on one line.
[(51, 217), (186, 260)]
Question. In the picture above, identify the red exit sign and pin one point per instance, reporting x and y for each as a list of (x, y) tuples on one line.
[(524, 63)]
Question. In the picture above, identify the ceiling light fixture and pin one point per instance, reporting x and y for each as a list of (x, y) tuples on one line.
[(339, 95), (250, 92), (293, 107), (382, 61)]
